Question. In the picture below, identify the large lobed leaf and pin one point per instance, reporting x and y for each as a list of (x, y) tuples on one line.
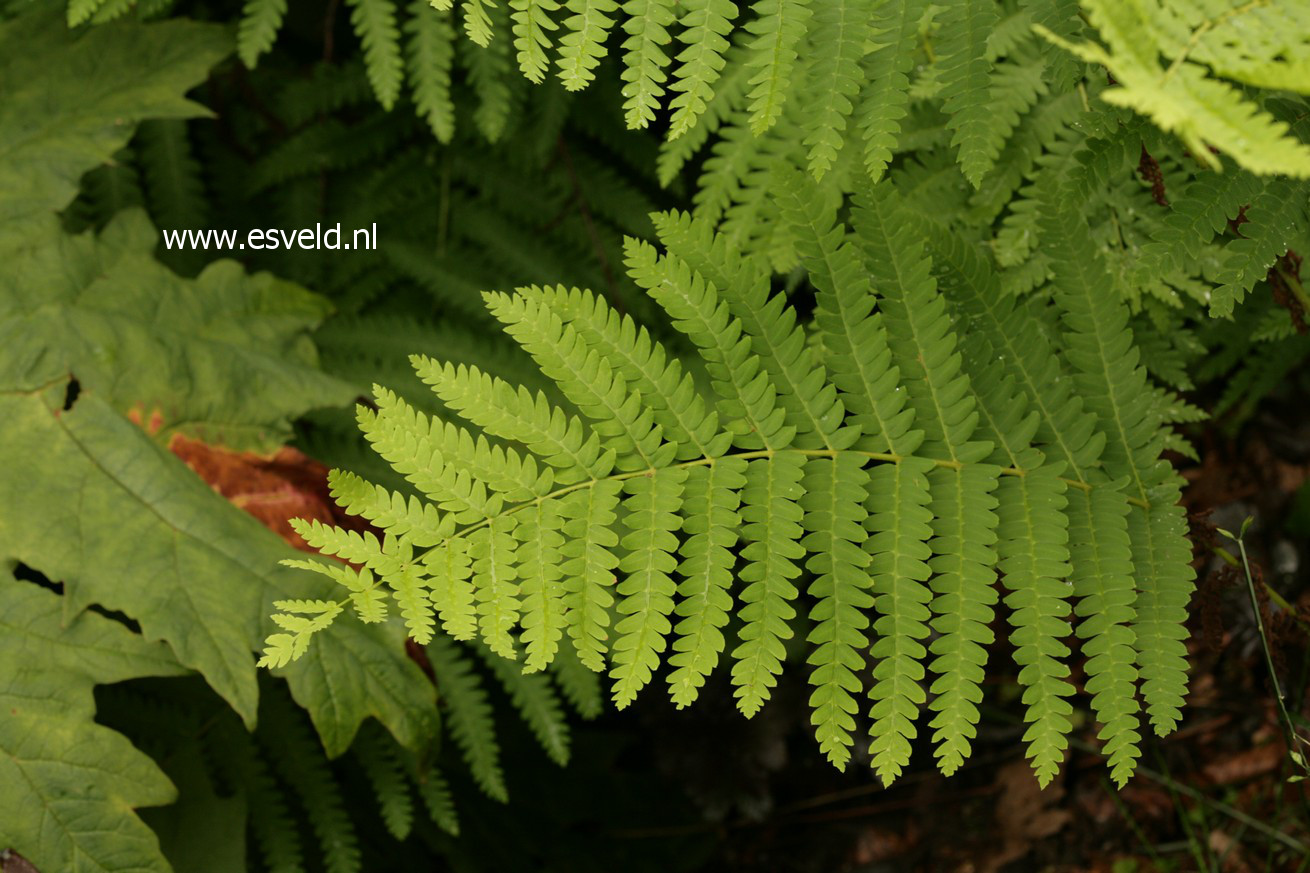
[(69, 784)]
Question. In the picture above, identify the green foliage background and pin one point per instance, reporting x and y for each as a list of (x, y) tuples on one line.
[(1071, 215)]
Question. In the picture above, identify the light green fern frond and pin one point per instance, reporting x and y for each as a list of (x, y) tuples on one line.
[(890, 465), (1183, 97)]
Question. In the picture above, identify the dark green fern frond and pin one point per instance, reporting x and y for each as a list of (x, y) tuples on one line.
[(384, 767), (468, 715)]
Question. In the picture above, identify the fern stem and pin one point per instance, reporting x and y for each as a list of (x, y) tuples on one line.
[(886, 457), (1294, 740)]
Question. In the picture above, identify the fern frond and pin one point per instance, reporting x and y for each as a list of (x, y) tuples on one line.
[(1183, 98), (468, 713), (296, 756), (386, 773), (897, 458)]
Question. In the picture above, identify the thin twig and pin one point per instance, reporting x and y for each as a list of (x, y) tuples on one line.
[(1294, 740)]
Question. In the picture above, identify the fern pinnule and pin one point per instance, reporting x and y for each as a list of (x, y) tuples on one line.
[(748, 398), (429, 57), (588, 567), (533, 26), (651, 516), (559, 439), (587, 380), (706, 27), (835, 491), (450, 587), (583, 44), (695, 129), (778, 29), (771, 533), (665, 388), (644, 58), (375, 22), (260, 22), (966, 84), (541, 539), (711, 503), (839, 34), (435, 792), (884, 100)]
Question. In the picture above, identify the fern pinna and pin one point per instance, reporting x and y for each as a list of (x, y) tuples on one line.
[(862, 483)]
